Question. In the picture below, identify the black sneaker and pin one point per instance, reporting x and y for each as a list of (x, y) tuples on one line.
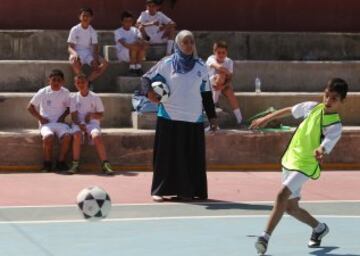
[(61, 166), (47, 166), (107, 169), (139, 72), (75, 168), (261, 245), (316, 237), (132, 72)]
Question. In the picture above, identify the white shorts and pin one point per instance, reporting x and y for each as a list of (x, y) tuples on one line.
[(58, 129), (157, 38), (123, 55), (294, 181), (86, 56), (91, 129)]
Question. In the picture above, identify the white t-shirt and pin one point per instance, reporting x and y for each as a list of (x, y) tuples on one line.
[(51, 104), (228, 64), (129, 36), (83, 39), (160, 17), (185, 101), (91, 103), (331, 133)]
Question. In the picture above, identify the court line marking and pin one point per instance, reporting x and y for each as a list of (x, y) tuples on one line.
[(167, 218), (185, 203)]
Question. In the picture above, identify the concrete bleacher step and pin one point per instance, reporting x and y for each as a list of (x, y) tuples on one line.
[(276, 76), (145, 121), (127, 84), (131, 149), (154, 52), (51, 44), (118, 107)]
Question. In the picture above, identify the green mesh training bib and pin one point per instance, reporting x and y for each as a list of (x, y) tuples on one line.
[(299, 155)]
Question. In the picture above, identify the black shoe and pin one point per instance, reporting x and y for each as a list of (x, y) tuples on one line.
[(316, 237), (132, 72), (61, 166), (47, 166), (261, 245), (139, 72)]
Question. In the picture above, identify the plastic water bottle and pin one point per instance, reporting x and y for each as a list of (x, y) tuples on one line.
[(257, 85)]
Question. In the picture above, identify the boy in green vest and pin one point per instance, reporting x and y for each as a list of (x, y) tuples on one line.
[(315, 137)]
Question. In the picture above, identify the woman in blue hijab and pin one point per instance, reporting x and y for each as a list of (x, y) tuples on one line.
[(179, 150)]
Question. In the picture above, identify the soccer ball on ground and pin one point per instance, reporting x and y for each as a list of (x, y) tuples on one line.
[(94, 203), (162, 90)]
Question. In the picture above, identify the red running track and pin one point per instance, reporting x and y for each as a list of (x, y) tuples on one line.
[(29, 189)]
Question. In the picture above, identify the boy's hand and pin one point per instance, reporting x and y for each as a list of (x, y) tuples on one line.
[(224, 70), (61, 119), (43, 120), (82, 127), (162, 27), (156, 23), (88, 117), (319, 154), (153, 97), (259, 123)]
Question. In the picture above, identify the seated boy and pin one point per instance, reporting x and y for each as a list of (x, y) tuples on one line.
[(50, 106), (314, 138), (86, 112), (156, 27), (83, 46), (129, 44), (221, 70)]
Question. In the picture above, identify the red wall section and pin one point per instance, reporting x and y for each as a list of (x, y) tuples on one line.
[(244, 15)]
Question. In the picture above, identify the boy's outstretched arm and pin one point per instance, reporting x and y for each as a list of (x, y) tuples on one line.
[(263, 121)]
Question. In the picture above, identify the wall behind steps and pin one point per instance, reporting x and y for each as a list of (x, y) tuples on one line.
[(244, 15)]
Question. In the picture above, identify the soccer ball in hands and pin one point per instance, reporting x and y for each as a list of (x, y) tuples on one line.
[(94, 203), (162, 90)]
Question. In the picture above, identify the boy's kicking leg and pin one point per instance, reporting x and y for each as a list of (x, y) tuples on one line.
[(319, 229)]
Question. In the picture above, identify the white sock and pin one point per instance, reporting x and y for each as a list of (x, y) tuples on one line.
[(238, 115), (132, 66), (319, 228), (266, 236), (169, 47), (137, 66)]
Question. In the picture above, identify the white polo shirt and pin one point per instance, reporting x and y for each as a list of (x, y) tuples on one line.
[(185, 101), (91, 103), (83, 39)]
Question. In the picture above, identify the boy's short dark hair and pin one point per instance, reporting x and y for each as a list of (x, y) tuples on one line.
[(157, 2), (126, 14), (56, 73), (88, 10), (220, 44), (339, 86), (80, 76)]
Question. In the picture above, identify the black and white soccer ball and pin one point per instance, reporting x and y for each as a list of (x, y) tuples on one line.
[(162, 90), (94, 203)]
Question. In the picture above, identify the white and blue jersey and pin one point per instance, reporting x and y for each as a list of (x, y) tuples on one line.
[(185, 101)]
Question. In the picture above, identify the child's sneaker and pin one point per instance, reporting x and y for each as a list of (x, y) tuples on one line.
[(261, 245), (75, 168), (107, 169), (61, 166), (316, 237), (47, 166)]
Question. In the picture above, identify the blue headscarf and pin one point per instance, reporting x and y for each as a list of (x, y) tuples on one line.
[(181, 62)]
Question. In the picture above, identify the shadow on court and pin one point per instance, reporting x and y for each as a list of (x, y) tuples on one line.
[(327, 251)]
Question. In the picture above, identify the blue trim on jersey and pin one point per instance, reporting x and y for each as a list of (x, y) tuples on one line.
[(162, 112), (200, 119), (167, 60), (158, 78)]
